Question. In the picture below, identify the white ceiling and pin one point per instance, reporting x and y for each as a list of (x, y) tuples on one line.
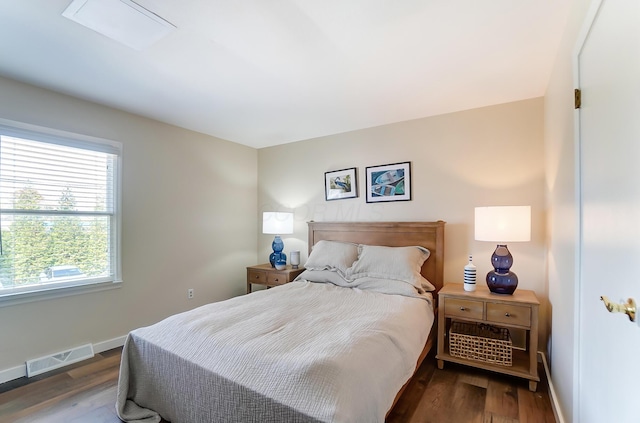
[(267, 72)]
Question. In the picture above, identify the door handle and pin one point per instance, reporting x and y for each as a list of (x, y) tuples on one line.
[(628, 308)]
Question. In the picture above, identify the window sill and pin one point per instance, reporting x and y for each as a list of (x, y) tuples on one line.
[(56, 292)]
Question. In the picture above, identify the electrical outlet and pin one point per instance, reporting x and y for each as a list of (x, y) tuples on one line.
[(190, 293)]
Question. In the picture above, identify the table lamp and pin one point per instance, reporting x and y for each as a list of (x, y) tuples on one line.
[(277, 223), (502, 225)]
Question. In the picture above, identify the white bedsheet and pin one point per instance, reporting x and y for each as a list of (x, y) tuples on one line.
[(332, 353)]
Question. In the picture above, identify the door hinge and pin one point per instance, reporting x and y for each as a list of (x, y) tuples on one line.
[(577, 98)]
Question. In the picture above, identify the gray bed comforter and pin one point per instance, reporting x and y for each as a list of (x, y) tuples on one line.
[(301, 352)]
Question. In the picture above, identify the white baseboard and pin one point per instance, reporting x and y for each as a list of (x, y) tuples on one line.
[(552, 392), (109, 344), (13, 373), (17, 372)]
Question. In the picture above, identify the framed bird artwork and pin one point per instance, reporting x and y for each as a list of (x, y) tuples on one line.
[(341, 184)]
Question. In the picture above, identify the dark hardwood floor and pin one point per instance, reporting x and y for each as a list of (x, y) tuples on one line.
[(86, 392), (461, 394)]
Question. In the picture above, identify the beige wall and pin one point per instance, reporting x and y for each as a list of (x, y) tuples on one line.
[(562, 217), (481, 157), (178, 228)]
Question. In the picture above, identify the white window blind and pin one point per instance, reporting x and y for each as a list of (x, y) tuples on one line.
[(58, 212)]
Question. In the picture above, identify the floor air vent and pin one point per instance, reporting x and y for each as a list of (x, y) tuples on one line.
[(57, 360)]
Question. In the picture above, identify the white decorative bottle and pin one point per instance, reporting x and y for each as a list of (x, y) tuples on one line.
[(470, 275)]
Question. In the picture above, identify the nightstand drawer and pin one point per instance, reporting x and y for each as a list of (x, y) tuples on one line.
[(256, 276), (276, 278), (509, 314), (469, 309), (264, 274)]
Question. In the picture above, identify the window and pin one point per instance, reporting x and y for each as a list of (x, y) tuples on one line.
[(59, 213)]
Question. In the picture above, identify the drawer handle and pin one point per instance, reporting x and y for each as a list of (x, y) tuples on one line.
[(507, 314), (256, 277), (276, 280), (463, 309)]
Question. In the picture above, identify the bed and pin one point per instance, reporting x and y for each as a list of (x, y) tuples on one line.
[(339, 344)]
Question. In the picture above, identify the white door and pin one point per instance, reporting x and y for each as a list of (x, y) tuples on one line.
[(609, 120)]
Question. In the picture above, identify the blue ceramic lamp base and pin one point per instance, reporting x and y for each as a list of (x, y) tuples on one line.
[(501, 280), (277, 257), (502, 283)]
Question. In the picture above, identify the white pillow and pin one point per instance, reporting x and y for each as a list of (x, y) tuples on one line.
[(332, 255), (397, 263)]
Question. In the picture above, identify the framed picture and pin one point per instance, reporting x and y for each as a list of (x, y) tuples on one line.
[(390, 182), (341, 184)]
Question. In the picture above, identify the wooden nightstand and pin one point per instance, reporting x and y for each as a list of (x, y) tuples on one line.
[(264, 274), (519, 311)]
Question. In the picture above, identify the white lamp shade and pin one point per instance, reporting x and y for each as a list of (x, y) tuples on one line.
[(503, 224), (277, 223)]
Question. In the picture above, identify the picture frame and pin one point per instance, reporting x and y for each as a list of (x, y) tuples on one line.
[(390, 182), (341, 184)]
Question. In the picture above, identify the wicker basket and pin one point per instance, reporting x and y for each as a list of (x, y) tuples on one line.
[(481, 342)]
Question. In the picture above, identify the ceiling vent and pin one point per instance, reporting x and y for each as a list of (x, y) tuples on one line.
[(121, 20)]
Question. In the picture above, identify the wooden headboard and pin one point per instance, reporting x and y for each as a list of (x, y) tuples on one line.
[(392, 234)]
